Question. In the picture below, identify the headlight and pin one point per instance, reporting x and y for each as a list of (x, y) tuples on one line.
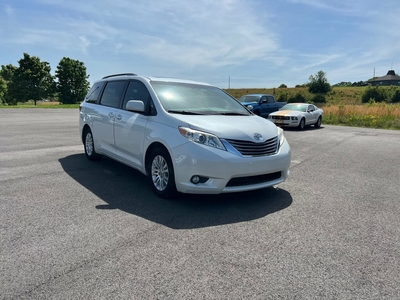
[(281, 136), (202, 138), (249, 107)]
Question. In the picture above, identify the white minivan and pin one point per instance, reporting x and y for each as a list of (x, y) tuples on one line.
[(186, 136)]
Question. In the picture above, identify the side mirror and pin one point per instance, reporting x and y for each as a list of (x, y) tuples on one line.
[(135, 105)]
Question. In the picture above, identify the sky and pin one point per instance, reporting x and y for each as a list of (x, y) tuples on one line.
[(227, 43)]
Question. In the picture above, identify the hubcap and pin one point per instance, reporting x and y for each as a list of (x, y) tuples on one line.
[(89, 144), (159, 172)]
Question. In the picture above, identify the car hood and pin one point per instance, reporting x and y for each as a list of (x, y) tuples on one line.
[(232, 127), (287, 113), (248, 103)]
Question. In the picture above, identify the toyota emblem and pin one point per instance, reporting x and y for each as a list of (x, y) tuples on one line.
[(257, 136)]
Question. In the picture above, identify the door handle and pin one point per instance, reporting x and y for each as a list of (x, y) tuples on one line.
[(110, 115)]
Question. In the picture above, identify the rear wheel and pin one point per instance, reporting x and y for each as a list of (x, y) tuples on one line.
[(161, 173), (302, 124), (89, 145), (318, 123)]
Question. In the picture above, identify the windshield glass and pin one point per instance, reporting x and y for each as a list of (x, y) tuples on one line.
[(298, 107), (188, 98), (249, 98)]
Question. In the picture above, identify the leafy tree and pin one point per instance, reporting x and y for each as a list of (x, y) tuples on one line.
[(3, 90), (72, 83), (6, 78), (283, 86), (32, 80), (319, 83)]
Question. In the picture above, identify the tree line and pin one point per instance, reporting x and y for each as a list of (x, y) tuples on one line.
[(32, 80)]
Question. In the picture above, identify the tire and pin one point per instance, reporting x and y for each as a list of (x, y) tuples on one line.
[(88, 144), (302, 124), (161, 174), (318, 123)]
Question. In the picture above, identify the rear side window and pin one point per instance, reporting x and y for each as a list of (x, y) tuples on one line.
[(93, 94), (112, 94), (270, 99)]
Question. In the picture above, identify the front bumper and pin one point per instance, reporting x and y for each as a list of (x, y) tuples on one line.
[(285, 123), (227, 172)]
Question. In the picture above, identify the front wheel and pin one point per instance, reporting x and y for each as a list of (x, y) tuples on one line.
[(302, 124), (161, 173), (318, 124)]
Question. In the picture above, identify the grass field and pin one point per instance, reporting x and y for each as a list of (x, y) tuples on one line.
[(40, 104), (338, 95), (343, 106)]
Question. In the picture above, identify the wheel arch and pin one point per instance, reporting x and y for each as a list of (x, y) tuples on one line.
[(149, 150), (85, 127)]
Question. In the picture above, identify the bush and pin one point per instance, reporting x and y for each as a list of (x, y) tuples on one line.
[(283, 97), (373, 93), (319, 98), (298, 98), (396, 96), (283, 86)]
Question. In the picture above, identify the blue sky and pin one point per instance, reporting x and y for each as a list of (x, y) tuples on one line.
[(236, 43)]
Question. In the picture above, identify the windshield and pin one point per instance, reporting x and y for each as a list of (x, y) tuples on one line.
[(298, 107), (195, 99), (249, 98)]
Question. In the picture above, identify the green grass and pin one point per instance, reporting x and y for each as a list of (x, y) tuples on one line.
[(30, 104)]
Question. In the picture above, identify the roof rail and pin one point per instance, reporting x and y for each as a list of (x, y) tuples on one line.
[(121, 74)]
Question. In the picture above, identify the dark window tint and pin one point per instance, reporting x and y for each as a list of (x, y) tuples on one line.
[(136, 91), (93, 94), (112, 94), (270, 99)]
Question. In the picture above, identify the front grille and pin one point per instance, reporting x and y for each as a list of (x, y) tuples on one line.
[(269, 147), (240, 181), (281, 117)]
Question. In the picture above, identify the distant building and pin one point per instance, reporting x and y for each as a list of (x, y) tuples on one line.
[(389, 79)]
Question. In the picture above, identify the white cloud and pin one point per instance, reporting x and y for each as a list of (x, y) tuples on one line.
[(9, 10), (254, 41)]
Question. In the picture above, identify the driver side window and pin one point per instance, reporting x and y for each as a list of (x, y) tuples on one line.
[(136, 91)]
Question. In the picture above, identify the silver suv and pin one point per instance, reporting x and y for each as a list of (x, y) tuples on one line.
[(186, 136)]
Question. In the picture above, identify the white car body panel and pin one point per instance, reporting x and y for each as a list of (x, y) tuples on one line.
[(310, 117), (126, 137)]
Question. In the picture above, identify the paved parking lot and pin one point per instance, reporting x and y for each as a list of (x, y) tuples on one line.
[(74, 229)]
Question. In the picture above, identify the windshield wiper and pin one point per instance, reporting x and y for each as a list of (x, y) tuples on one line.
[(232, 114), (183, 112)]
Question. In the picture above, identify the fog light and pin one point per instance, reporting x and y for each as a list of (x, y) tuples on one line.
[(198, 179), (195, 179)]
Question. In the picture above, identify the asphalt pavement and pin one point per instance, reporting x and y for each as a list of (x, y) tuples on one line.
[(75, 229)]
